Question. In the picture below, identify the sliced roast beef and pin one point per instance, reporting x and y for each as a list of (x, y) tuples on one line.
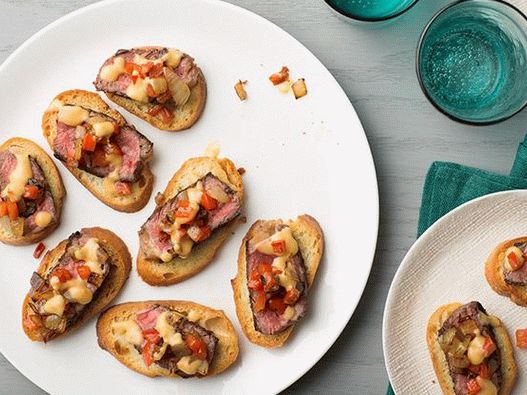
[(267, 321), (137, 150), (155, 241), (7, 165), (517, 277), (45, 203), (65, 141), (475, 313)]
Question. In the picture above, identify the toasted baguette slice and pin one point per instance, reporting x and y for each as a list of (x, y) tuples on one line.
[(184, 116), (121, 263), (179, 269), (213, 320), (504, 345), (141, 190), (56, 188), (495, 275), (308, 234)]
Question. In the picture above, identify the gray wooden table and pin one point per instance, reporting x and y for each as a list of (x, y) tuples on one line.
[(376, 69)]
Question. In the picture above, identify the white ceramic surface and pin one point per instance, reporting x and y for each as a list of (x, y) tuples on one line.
[(446, 264), (299, 157)]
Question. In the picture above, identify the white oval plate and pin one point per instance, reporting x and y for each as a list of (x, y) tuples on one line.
[(445, 265), (309, 155)]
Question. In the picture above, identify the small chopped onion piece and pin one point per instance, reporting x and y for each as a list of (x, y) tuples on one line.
[(240, 90), (216, 191), (177, 87), (299, 88)]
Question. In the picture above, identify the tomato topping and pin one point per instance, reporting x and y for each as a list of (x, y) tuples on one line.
[(89, 142), (521, 338), (208, 202), (183, 203), (514, 262), (489, 347), (148, 349), (278, 78), (130, 67), (484, 372), (84, 272), (291, 296), (116, 128), (473, 387), (151, 335), (31, 192), (39, 250), (62, 274), (277, 304), (3, 208), (150, 91), (259, 303), (270, 281), (256, 283), (156, 70), (166, 115), (99, 157), (123, 188), (196, 345), (264, 267), (145, 68), (204, 233), (278, 246), (184, 212), (12, 210)]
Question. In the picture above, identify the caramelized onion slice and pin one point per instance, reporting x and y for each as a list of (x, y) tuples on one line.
[(178, 89)]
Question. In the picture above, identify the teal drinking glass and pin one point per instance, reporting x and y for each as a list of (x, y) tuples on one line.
[(371, 10), (472, 61)]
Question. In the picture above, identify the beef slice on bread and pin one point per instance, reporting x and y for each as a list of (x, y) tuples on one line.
[(192, 219), (74, 282), (277, 265), (162, 86), (169, 338), (104, 152), (506, 270), (31, 192), (470, 350)]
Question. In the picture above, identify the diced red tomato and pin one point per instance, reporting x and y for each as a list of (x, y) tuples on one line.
[(156, 70), (484, 372), (12, 210), (278, 246), (291, 296), (521, 338), (489, 347), (196, 345), (204, 233), (84, 272), (155, 110), (260, 300), (514, 262), (148, 350), (278, 78), (208, 202), (123, 188), (130, 67), (3, 208), (31, 192), (270, 281), (166, 115), (150, 91), (145, 68), (264, 267), (277, 304), (89, 142), (62, 274), (183, 203), (255, 284), (473, 387), (99, 157), (116, 128), (39, 249), (151, 335), (184, 212)]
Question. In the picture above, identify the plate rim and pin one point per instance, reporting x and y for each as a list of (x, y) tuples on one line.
[(372, 176), (390, 299)]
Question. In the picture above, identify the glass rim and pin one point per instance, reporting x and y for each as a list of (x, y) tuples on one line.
[(365, 19), (420, 78)]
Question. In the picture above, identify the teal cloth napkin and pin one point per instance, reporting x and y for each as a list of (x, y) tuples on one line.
[(448, 185)]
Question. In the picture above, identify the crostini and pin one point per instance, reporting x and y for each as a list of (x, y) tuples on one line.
[(162, 86), (277, 265), (74, 282), (193, 217), (471, 351), (506, 271), (31, 193), (169, 338), (105, 153)]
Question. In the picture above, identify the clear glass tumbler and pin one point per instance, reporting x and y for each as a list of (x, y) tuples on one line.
[(472, 61), (371, 10)]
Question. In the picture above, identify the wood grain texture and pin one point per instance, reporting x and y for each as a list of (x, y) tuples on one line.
[(406, 133)]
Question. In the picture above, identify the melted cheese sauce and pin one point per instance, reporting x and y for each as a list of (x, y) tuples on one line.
[(137, 90), (103, 129), (191, 365), (167, 331), (55, 305), (475, 352), (487, 387), (18, 178), (73, 115), (43, 219), (130, 330), (112, 71), (291, 246), (88, 253)]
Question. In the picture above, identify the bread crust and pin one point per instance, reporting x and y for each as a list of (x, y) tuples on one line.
[(54, 180), (308, 233), (142, 189), (227, 348), (179, 269), (121, 264), (495, 276), (508, 363), (184, 117)]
